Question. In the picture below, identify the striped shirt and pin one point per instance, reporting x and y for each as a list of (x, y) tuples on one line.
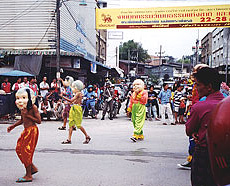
[(177, 96)]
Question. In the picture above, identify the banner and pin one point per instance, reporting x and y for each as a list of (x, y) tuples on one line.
[(164, 17)]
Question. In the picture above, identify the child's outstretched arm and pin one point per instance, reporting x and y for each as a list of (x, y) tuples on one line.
[(67, 99), (11, 127)]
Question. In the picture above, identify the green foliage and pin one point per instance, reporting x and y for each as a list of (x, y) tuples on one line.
[(185, 59), (153, 79), (133, 51)]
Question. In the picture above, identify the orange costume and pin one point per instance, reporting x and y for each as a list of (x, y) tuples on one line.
[(26, 144)]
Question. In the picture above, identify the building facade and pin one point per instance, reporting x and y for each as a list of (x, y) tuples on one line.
[(206, 52), (217, 47), (33, 32)]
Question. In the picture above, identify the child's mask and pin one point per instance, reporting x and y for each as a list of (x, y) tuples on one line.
[(22, 97)]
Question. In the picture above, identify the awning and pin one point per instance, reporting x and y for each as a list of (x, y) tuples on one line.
[(30, 64), (117, 72), (16, 73)]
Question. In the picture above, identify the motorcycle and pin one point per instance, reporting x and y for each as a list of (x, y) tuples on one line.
[(116, 107), (87, 109)]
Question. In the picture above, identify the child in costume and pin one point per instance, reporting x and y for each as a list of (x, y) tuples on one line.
[(69, 94), (75, 114), (26, 144), (137, 106)]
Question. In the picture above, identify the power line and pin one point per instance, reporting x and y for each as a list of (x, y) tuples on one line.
[(20, 15), (93, 45), (44, 33)]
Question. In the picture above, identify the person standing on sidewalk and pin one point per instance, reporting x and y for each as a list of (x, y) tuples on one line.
[(177, 96), (44, 87), (152, 101), (164, 100), (208, 84), (6, 86), (17, 85), (137, 107)]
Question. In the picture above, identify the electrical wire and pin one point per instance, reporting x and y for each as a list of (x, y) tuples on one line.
[(6, 23), (93, 45), (44, 33)]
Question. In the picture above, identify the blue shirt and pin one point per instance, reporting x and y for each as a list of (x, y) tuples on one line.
[(165, 96)]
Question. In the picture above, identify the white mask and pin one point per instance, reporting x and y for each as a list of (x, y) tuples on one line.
[(22, 98)]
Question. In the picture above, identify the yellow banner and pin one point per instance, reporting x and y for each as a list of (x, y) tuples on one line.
[(164, 17)]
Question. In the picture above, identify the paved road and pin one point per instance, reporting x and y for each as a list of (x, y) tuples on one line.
[(110, 159)]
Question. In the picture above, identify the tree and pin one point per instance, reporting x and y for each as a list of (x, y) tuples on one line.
[(185, 59), (133, 51)]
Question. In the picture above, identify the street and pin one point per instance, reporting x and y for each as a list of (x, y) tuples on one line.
[(109, 159)]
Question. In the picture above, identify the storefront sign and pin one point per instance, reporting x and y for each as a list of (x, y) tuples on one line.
[(77, 63), (164, 17), (93, 68)]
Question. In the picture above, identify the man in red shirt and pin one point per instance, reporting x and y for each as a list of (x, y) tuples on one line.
[(6, 86), (208, 84), (17, 85)]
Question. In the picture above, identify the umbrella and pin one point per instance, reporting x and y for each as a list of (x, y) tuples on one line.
[(16, 73)]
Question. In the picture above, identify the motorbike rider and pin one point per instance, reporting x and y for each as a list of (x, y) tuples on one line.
[(90, 100), (108, 99)]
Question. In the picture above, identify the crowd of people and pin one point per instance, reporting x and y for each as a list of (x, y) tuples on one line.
[(190, 102), (170, 105)]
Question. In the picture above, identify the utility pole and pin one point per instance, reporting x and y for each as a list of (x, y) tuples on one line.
[(197, 52), (128, 62), (137, 64), (160, 62), (182, 67), (58, 38)]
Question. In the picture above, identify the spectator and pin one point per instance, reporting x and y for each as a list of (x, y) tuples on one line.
[(45, 109), (58, 109), (34, 87), (152, 101), (17, 85), (25, 82), (6, 86), (177, 96), (224, 89), (182, 108), (55, 85), (208, 84), (164, 100), (44, 87)]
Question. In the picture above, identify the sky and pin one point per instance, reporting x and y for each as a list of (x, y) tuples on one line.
[(175, 42)]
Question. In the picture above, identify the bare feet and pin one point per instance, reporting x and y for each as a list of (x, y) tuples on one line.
[(34, 169)]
